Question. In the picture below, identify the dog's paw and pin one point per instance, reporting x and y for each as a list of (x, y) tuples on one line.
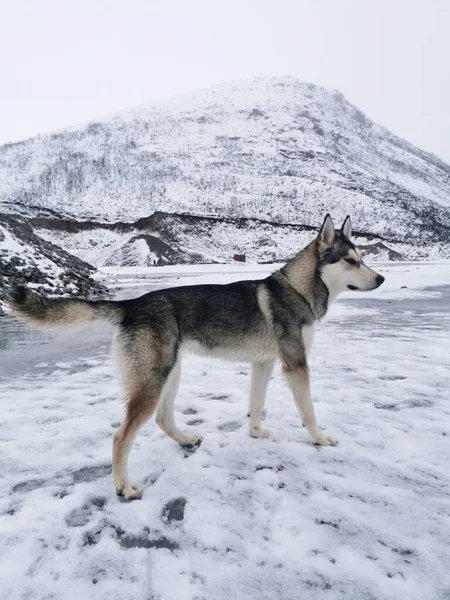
[(130, 491), (325, 439), (258, 432), (190, 440)]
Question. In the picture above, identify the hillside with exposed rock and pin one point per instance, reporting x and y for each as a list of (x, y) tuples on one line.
[(244, 167), (165, 239), (26, 258)]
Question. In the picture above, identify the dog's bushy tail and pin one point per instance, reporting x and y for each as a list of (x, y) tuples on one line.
[(61, 313)]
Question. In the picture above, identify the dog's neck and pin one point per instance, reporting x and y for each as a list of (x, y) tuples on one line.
[(302, 273)]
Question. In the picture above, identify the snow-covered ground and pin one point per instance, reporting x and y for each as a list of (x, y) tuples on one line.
[(238, 518)]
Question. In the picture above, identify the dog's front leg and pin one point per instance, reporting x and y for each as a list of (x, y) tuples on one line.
[(298, 380), (261, 373)]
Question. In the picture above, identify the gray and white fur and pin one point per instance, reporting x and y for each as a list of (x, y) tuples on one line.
[(258, 322)]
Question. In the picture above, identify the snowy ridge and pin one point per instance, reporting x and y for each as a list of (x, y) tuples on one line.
[(176, 238), (268, 148)]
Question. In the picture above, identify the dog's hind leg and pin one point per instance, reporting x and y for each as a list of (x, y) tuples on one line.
[(261, 373), (141, 405), (165, 417), (145, 360)]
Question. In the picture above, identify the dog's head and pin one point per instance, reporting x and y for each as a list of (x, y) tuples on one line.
[(340, 264)]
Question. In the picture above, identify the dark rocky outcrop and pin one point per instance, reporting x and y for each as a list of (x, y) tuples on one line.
[(25, 258)]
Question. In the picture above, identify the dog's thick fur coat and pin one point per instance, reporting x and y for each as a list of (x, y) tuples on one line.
[(252, 321)]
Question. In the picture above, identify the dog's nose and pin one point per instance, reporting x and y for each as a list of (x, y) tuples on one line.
[(379, 280)]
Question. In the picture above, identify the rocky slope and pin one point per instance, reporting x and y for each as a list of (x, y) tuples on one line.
[(27, 258), (166, 238), (273, 149)]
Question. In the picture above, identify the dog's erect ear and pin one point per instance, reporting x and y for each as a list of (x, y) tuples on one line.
[(347, 227), (327, 234)]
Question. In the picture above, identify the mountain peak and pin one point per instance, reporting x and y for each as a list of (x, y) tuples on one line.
[(273, 148)]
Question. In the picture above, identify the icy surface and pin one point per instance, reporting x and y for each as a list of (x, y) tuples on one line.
[(238, 518)]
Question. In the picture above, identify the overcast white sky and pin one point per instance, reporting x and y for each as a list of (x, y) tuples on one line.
[(64, 62)]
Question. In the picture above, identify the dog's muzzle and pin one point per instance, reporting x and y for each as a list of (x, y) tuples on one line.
[(379, 279)]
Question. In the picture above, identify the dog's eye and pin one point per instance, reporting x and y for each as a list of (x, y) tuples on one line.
[(351, 261)]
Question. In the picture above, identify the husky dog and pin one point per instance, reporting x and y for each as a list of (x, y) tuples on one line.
[(252, 321)]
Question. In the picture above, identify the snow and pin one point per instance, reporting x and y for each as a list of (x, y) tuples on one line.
[(410, 279), (12, 247), (272, 148), (215, 241), (263, 519)]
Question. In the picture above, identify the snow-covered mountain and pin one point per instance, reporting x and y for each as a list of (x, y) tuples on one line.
[(273, 149)]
